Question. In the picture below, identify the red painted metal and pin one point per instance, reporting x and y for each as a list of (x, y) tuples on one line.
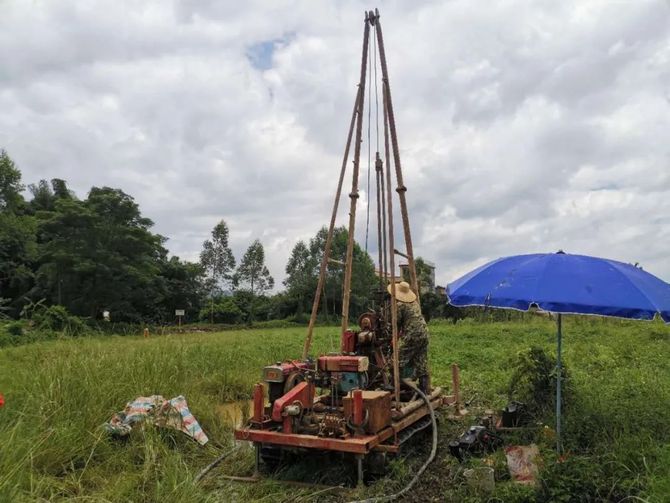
[(287, 425), (358, 407), (279, 371), (358, 445), (259, 402), (353, 444), (348, 344), (456, 382), (302, 392)]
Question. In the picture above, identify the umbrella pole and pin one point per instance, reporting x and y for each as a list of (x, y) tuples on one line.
[(559, 374)]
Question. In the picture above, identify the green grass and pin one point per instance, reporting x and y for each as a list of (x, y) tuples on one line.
[(58, 393)]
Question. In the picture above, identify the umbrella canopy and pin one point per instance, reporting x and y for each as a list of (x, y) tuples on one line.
[(564, 283)]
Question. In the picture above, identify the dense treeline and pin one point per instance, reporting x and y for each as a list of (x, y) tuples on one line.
[(89, 255), (98, 254)]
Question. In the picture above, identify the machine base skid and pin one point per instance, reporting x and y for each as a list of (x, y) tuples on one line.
[(355, 444)]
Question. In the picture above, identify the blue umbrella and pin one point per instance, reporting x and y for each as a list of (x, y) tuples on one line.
[(564, 283)]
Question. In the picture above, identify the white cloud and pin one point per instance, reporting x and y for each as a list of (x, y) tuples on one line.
[(523, 127)]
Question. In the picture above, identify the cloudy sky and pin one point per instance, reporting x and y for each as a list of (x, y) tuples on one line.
[(523, 126)]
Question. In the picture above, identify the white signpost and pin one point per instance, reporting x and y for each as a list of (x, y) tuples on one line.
[(179, 313)]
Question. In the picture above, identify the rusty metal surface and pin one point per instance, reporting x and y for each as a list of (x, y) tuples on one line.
[(357, 445), (401, 189), (407, 421), (353, 444), (302, 392), (329, 237), (333, 425), (259, 403), (380, 248), (353, 195), (391, 237), (377, 407), (392, 448), (406, 408)]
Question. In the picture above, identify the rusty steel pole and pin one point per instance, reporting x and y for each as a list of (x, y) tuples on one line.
[(321, 285), (396, 157), (354, 183), (394, 304), (384, 228), (378, 170)]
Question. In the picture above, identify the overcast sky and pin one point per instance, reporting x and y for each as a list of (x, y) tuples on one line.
[(523, 126)]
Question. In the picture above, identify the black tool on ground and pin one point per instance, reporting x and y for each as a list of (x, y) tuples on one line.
[(515, 414), (477, 440)]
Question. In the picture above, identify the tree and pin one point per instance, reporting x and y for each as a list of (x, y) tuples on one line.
[(43, 197), (18, 251), (60, 189), (217, 258), (224, 310), (99, 254), (252, 271), (432, 305), (88, 255), (17, 238), (303, 267), (363, 278), (301, 275), (10, 184), (183, 287)]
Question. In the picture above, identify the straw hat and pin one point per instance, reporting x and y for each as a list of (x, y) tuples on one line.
[(403, 292)]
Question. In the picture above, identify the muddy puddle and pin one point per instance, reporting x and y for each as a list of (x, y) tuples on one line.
[(235, 414)]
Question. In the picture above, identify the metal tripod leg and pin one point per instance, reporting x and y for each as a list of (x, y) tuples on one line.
[(359, 470), (257, 464)]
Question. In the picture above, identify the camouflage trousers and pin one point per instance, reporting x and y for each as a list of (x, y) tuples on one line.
[(413, 357)]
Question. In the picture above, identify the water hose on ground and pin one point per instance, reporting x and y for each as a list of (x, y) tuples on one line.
[(430, 459), (209, 467)]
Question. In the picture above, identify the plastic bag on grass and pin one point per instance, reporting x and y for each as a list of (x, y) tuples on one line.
[(163, 413), (522, 463)]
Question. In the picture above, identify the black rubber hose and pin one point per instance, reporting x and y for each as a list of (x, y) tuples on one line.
[(206, 469), (430, 459)]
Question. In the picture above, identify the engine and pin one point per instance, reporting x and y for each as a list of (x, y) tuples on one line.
[(292, 385), (338, 373)]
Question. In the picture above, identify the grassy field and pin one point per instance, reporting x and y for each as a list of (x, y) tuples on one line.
[(58, 393)]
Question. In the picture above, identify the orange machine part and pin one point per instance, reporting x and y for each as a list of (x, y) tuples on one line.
[(348, 341), (303, 393)]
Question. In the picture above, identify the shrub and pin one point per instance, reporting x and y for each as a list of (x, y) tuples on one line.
[(225, 310), (287, 323), (14, 328), (533, 381), (57, 318)]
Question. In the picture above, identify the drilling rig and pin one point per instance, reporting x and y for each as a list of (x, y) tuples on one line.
[(352, 401)]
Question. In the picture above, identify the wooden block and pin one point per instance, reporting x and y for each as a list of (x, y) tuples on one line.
[(377, 406)]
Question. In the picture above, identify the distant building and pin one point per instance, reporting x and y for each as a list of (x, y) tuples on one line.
[(380, 274), (426, 277)]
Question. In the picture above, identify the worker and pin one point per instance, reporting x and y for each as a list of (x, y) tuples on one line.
[(412, 336)]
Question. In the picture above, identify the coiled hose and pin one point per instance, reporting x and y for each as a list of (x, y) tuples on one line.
[(430, 459)]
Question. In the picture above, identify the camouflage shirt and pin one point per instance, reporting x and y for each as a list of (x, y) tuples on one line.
[(413, 342)]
